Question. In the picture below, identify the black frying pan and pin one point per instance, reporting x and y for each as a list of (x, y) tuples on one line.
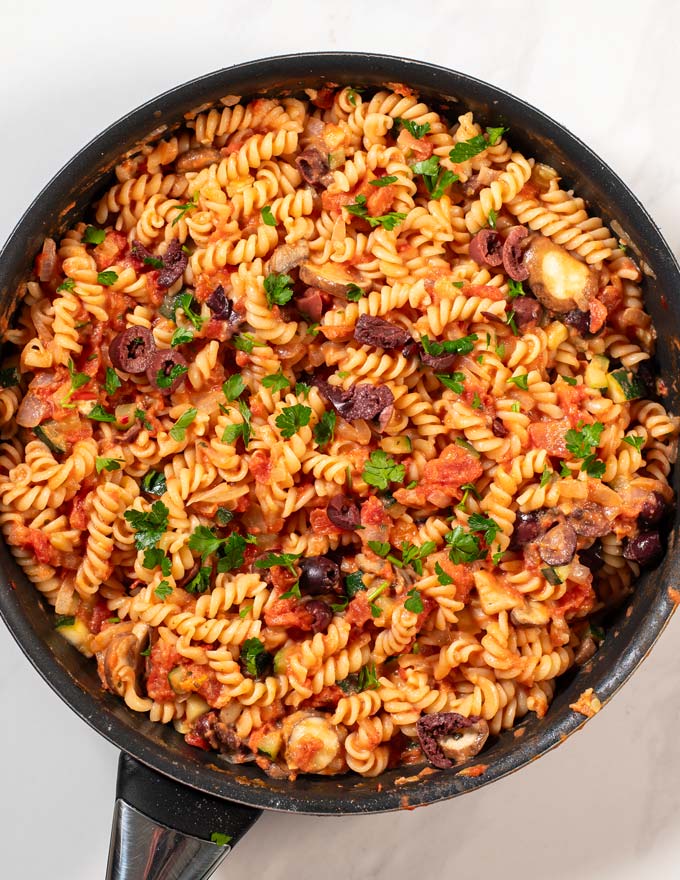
[(170, 796)]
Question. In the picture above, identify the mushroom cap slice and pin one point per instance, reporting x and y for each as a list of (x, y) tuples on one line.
[(331, 278), (558, 280)]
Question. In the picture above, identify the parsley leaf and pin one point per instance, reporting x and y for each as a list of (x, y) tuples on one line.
[(463, 546), (380, 548), (107, 278), (112, 382), (246, 342), (276, 381), (99, 414), (413, 128), (484, 524), (545, 476), (414, 602), (387, 221), (443, 578), (180, 336), (515, 289), (635, 441), (254, 657), (108, 464), (510, 321), (179, 430), (219, 838), (165, 380), (354, 583), (63, 620), (568, 379), (593, 466), (302, 390), (413, 555), (234, 386), (292, 418), (186, 302), (154, 557), (278, 289), (149, 526), (564, 469), (267, 217), (154, 483), (521, 381), (141, 416), (67, 284), (453, 381), (232, 553), (93, 235), (201, 582), (223, 516), (380, 470), (436, 179), (384, 181), (293, 593), (581, 442), (187, 206), (353, 293), (463, 345), (287, 560), (467, 149), (476, 401), (491, 218), (163, 590), (204, 541), (368, 678), (324, 429)]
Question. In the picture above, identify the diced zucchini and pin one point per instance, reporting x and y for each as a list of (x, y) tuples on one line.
[(179, 679), (596, 372), (562, 571), (396, 445), (195, 707), (73, 630), (281, 661), (52, 436), (552, 576), (270, 744), (623, 386), (336, 159)]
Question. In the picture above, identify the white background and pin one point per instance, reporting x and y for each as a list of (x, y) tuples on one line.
[(605, 805)]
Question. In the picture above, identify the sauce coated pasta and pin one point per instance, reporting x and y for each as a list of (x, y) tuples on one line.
[(333, 435)]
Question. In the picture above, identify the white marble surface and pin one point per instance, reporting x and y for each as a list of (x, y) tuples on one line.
[(606, 805)]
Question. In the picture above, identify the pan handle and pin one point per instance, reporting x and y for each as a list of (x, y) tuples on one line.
[(162, 829)]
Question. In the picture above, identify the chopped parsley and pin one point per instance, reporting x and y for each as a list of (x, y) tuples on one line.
[(204, 541), (180, 336), (108, 464), (292, 418), (380, 548), (325, 429), (302, 389), (293, 593), (564, 469), (463, 345), (443, 578), (415, 129), (267, 217), (223, 516), (387, 221), (510, 321), (463, 546), (414, 602), (183, 209), (154, 557), (220, 839), (246, 342), (353, 293), (515, 289), (232, 552), (234, 386), (521, 381), (107, 278), (380, 470), (581, 441), (93, 235), (186, 302), (278, 289), (465, 444), (471, 147), (112, 381), (384, 181), (276, 381), (635, 441), (287, 560), (201, 582), (232, 432), (453, 381), (63, 620), (484, 524), (354, 583), (179, 430), (9, 377), (99, 414), (368, 678), (545, 476), (476, 401), (150, 526), (141, 416), (435, 178), (165, 380), (67, 284), (568, 379), (491, 218), (413, 555), (154, 483)]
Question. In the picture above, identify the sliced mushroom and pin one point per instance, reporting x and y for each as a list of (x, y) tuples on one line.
[(559, 281), (590, 520), (331, 278), (123, 653), (197, 158), (558, 545), (585, 651), (448, 739), (288, 256)]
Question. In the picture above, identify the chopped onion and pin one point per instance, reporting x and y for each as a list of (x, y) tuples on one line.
[(48, 263), (32, 411)]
